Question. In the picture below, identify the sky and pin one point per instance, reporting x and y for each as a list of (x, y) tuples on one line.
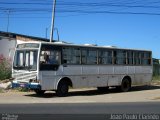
[(122, 23)]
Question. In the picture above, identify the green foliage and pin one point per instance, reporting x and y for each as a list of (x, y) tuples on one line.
[(1, 91), (156, 68), (22, 89), (156, 78), (5, 68)]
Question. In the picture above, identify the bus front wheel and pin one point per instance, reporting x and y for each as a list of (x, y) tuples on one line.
[(62, 89), (125, 85)]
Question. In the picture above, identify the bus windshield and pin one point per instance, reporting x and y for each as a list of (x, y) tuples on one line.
[(25, 60)]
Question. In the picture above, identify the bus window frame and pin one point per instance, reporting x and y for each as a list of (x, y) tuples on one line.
[(49, 66)]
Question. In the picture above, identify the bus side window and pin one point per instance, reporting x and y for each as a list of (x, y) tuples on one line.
[(130, 57), (114, 57), (92, 57), (84, 56), (121, 57), (44, 57), (136, 58), (105, 57), (146, 58), (55, 57), (50, 60), (71, 55), (50, 57)]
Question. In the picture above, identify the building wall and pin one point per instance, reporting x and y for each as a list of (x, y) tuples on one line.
[(8, 42), (7, 47)]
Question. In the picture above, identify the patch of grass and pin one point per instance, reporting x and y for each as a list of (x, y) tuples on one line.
[(1, 91), (156, 78), (22, 89)]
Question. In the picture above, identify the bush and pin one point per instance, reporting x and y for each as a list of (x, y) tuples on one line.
[(5, 68), (22, 89)]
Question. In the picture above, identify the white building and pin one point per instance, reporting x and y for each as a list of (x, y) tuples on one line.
[(9, 40)]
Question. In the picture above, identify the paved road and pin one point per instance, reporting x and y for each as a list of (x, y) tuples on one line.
[(79, 111), (82, 108)]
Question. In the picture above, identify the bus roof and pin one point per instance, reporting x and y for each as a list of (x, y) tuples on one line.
[(61, 43)]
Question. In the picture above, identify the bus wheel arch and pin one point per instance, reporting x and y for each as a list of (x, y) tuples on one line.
[(125, 84), (63, 87)]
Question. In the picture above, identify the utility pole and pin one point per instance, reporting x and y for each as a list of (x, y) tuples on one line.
[(52, 23)]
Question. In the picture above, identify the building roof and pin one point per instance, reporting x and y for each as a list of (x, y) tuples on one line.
[(14, 36)]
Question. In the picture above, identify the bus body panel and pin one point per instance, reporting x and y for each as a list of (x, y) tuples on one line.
[(143, 75), (84, 76), (48, 80)]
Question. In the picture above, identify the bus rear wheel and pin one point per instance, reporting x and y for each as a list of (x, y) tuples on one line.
[(62, 89), (125, 85)]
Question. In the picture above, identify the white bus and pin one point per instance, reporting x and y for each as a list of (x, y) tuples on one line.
[(45, 66)]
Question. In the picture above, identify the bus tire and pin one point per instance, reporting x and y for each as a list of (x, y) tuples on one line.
[(125, 85), (62, 89), (39, 92)]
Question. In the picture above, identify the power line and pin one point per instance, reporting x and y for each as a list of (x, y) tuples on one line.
[(80, 4), (86, 7), (95, 12)]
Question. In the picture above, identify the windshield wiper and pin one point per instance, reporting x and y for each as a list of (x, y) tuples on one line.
[(18, 67)]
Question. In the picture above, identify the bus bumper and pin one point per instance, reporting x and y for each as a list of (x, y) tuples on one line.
[(26, 85)]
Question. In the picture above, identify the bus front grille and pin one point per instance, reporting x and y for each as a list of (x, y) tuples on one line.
[(24, 77)]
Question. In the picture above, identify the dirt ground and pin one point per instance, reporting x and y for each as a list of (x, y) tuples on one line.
[(137, 94)]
